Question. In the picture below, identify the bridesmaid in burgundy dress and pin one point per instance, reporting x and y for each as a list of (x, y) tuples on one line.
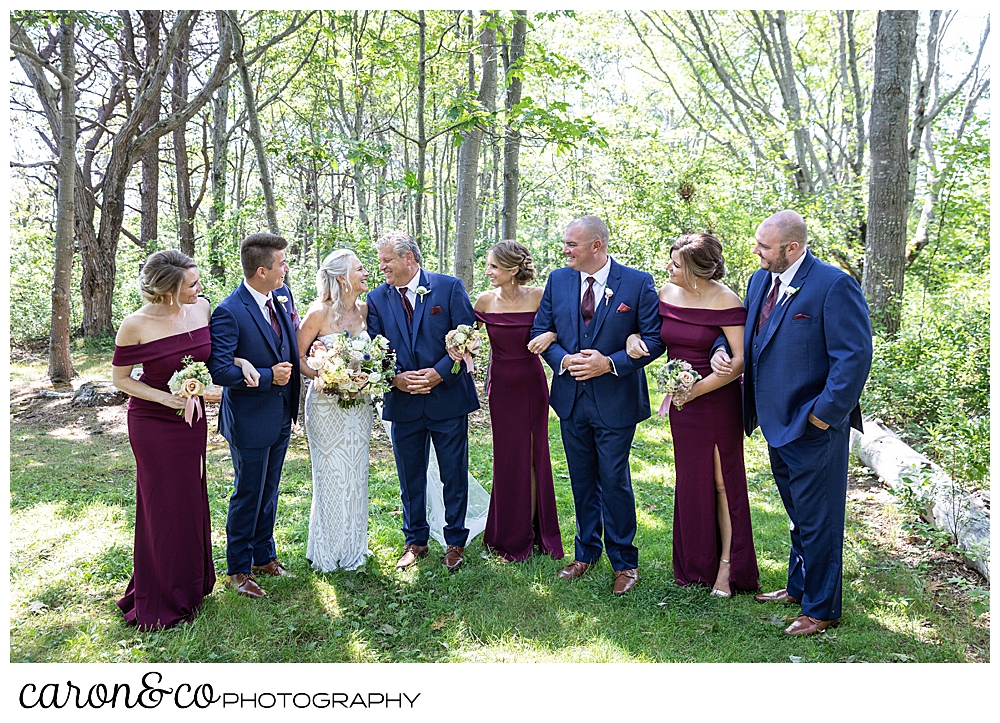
[(713, 539), (172, 558), (523, 502)]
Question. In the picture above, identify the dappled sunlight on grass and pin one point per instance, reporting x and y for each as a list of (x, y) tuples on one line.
[(326, 596), (70, 433), (648, 522), (48, 545)]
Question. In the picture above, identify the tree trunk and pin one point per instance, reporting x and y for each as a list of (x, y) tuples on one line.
[(149, 190), (60, 364), (466, 195), (944, 503), (255, 135), (178, 99), (885, 244), (220, 167), (418, 210), (512, 137)]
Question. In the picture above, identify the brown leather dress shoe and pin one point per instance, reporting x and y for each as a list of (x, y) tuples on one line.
[(245, 585), (273, 568), (804, 625), (779, 596), (410, 555), (574, 570), (453, 557), (624, 580)]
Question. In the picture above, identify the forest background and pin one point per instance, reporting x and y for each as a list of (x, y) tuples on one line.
[(141, 130)]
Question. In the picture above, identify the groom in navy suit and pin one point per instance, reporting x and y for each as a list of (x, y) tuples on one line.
[(807, 352), (415, 309), (257, 322), (599, 392)]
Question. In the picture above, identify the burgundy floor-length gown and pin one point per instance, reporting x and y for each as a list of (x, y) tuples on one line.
[(172, 561), (519, 415), (709, 421)]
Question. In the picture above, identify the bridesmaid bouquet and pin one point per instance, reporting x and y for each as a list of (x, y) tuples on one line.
[(190, 382), (354, 367), (675, 376), (466, 341)]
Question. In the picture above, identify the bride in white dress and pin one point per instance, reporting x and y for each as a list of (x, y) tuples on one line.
[(338, 438)]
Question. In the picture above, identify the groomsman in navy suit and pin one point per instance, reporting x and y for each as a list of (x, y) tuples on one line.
[(415, 309), (599, 392), (257, 322), (808, 350)]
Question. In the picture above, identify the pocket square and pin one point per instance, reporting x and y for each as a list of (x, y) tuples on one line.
[(436, 310), (801, 316), (623, 307)]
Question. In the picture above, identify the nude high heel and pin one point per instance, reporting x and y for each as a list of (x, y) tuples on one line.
[(720, 593)]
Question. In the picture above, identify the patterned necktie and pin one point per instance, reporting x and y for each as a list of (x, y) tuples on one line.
[(587, 308), (274, 318), (768, 307), (407, 306)]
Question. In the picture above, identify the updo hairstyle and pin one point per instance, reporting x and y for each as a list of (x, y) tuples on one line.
[(162, 275), (701, 254), (513, 256), (329, 288)]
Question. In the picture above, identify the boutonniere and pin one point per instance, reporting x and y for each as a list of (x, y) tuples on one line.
[(608, 293), (789, 292), (421, 292)]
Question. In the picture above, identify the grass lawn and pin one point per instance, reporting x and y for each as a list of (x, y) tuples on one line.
[(72, 506)]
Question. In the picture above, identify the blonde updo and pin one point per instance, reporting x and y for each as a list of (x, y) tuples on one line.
[(162, 275), (333, 279), (513, 256)]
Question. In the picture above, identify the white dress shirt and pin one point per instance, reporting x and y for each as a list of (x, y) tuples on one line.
[(411, 288), (600, 283), (786, 276), (261, 300)]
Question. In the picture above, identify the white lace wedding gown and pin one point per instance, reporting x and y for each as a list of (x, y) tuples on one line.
[(339, 441)]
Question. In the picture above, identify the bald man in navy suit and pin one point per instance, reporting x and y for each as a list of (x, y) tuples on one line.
[(807, 351)]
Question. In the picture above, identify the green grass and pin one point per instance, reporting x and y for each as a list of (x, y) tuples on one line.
[(72, 511)]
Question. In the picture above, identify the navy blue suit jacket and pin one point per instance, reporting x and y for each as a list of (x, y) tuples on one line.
[(633, 307), (813, 354), (421, 346), (253, 416)]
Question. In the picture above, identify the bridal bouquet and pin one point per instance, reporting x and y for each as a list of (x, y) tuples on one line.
[(466, 341), (354, 367), (190, 382), (673, 377)]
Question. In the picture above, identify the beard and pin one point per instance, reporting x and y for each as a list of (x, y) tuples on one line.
[(780, 264)]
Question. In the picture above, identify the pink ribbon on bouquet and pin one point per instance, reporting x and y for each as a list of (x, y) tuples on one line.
[(468, 360), (664, 406), (191, 407)]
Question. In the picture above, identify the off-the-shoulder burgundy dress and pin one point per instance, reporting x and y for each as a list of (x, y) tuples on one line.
[(519, 415), (709, 421), (172, 560)]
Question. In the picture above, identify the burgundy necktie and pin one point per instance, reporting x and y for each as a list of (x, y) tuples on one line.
[(587, 308), (407, 306), (274, 318), (768, 307)]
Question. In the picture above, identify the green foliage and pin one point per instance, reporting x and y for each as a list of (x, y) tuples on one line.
[(31, 286), (932, 382)]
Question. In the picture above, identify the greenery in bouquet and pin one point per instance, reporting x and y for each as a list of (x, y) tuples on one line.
[(674, 377), (190, 382), (354, 370)]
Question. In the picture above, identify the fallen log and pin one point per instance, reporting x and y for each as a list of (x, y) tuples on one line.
[(943, 502)]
